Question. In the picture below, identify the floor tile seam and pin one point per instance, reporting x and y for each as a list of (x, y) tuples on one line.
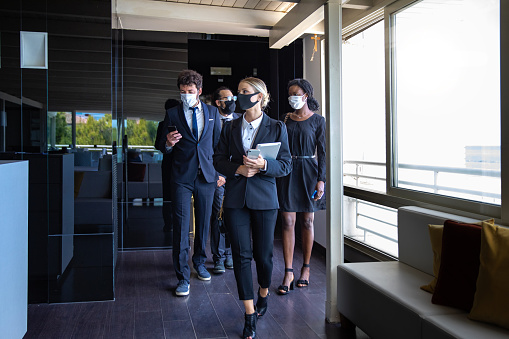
[(190, 318), (276, 322), (304, 319), (215, 312)]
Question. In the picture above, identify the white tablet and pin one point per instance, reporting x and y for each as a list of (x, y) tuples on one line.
[(269, 150)]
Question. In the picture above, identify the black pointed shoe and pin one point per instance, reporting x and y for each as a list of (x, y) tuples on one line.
[(250, 325), (261, 304)]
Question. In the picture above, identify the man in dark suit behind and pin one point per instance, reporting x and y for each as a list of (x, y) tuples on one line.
[(224, 100), (196, 134), (166, 170)]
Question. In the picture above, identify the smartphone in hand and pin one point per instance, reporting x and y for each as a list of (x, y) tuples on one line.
[(253, 153), (172, 128)]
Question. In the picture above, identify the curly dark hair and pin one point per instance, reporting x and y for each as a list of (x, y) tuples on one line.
[(308, 89), (189, 77), (217, 96)]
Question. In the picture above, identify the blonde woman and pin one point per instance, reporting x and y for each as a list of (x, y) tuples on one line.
[(250, 202)]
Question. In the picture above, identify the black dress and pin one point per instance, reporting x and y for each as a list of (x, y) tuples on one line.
[(295, 190)]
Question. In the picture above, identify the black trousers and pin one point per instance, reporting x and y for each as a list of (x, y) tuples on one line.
[(241, 223), (219, 242)]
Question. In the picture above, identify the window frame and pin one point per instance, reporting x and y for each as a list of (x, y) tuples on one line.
[(391, 128)]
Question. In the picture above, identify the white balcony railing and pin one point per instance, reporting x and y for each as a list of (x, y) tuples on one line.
[(376, 225)]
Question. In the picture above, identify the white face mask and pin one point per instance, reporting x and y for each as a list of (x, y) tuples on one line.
[(296, 101), (189, 100)]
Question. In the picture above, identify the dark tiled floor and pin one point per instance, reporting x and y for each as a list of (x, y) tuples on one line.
[(145, 305)]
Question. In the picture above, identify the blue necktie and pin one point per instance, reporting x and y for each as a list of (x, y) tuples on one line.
[(195, 123)]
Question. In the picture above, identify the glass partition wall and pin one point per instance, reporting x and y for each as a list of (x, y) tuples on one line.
[(146, 66), (55, 63)]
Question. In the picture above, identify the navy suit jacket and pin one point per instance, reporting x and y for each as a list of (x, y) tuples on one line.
[(258, 192), (190, 154)]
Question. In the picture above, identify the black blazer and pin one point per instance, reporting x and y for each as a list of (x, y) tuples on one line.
[(188, 154), (258, 192)]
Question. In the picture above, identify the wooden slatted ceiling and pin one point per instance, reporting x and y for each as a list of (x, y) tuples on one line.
[(263, 5)]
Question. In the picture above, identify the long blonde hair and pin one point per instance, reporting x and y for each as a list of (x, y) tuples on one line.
[(259, 86)]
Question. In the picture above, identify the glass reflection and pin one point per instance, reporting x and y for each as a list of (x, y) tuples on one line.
[(71, 224)]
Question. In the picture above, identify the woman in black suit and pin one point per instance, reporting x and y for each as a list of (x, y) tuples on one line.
[(250, 200)]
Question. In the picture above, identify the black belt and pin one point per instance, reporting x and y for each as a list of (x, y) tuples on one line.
[(303, 156)]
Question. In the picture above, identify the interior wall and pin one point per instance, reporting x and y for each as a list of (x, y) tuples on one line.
[(313, 74), (247, 56), (313, 69)]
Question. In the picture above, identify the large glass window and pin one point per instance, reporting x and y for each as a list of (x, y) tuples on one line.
[(364, 109), (445, 98)]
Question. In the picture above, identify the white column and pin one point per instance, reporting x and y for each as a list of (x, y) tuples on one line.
[(13, 248), (504, 105), (334, 153)]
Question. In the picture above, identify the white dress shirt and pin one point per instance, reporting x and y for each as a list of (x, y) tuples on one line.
[(249, 131), (200, 118)]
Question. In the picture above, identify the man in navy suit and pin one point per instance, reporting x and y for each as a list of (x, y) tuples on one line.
[(224, 100), (194, 130)]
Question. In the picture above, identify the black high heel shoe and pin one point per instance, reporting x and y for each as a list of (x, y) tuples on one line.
[(250, 325), (283, 289), (302, 282), (261, 304)]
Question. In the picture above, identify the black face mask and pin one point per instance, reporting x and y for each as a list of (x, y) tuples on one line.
[(229, 107), (245, 100)]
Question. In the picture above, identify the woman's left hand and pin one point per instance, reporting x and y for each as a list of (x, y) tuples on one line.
[(320, 190), (258, 163)]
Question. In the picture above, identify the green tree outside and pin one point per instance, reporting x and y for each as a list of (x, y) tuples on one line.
[(94, 132), (63, 131), (141, 132), (99, 132)]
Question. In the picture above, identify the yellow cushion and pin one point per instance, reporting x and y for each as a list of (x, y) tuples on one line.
[(435, 235), (491, 300)]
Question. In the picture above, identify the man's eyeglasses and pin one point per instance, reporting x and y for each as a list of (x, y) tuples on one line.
[(229, 98)]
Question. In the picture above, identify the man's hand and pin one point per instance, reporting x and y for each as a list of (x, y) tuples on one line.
[(248, 172), (172, 138), (221, 181)]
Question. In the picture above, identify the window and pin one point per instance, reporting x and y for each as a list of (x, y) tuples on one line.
[(371, 224), (364, 109), (445, 99)]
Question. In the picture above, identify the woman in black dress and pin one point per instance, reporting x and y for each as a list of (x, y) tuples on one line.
[(301, 193)]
